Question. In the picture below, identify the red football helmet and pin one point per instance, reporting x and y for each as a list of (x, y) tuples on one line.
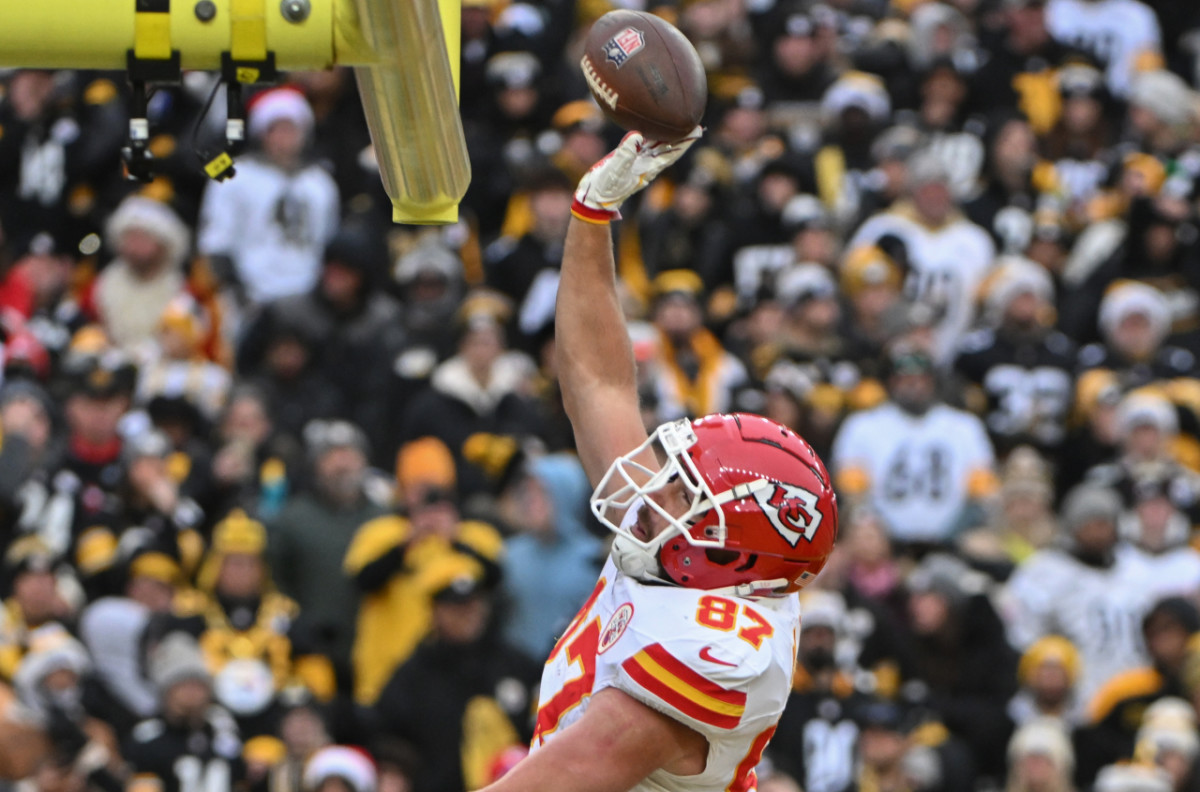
[(747, 505)]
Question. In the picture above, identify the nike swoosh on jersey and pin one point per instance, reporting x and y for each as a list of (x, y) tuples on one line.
[(675, 683), (706, 654)]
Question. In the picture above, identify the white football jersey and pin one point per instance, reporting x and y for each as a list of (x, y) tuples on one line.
[(1099, 610), (918, 466), (948, 264), (273, 225), (1171, 573), (1114, 31), (721, 665)]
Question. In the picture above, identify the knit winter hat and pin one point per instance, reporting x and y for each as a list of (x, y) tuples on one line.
[(1165, 95), (1089, 502), (1052, 648), (1043, 737), (176, 659)]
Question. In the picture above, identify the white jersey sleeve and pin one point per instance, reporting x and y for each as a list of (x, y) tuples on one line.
[(220, 219), (1032, 593), (851, 446), (975, 445)]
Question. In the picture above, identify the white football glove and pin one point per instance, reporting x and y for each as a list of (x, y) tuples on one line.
[(627, 168)]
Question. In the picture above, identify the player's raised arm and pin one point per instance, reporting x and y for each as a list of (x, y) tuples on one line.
[(595, 358)]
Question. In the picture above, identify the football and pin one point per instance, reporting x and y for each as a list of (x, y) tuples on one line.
[(645, 75)]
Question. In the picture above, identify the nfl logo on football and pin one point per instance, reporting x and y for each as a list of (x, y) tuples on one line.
[(623, 45)]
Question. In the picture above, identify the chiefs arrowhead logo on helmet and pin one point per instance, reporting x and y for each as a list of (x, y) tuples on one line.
[(792, 510)]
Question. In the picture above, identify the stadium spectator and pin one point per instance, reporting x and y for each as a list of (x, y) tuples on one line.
[(550, 555), (693, 374), (955, 633), (1020, 366), (817, 738), (1047, 672), (37, 595), (1040, 758), (922, 465), (464, 695), (1091, 572), (1115, 711), (1167, 738), (948, 255), (350, 326), (193, 740), (1025, 520), (151, 244), (390, 557), (483, 389), (309, 536), (254, 638), (265, 230)]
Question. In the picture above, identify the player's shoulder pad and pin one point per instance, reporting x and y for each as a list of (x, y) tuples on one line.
[(709, 661), (700, 629), (148, 730)]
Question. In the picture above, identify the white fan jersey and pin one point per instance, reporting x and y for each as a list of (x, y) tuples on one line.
[(1171, 573), (1116, 32), (948, 264), (721, 665), (918, 467), (1099, 610), (273, 225)]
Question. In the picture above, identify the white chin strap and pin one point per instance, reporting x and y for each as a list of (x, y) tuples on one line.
[(635, 560)]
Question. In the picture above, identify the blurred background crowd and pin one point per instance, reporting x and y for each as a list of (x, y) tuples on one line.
[(287, 495)]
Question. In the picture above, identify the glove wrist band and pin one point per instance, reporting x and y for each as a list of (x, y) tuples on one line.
[(591, 215)]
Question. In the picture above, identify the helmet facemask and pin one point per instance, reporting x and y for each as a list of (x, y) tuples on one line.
[(632, 482)]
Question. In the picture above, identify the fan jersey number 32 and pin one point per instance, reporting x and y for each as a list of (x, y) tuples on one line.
[(721, 665)]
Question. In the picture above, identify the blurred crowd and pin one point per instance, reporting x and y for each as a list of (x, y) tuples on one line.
[(287, 495)]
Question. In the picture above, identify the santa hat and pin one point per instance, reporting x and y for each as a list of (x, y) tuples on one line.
[(279, 104), (1142, 408), (1132, 297), (156, 219), (1015, 276), (339, 761), (860, 90), (52, 649)]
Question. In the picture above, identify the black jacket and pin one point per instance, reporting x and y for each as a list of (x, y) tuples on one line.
[(427, 698), (206, 758)]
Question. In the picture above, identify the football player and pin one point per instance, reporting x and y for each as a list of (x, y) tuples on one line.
[(675, 671)]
